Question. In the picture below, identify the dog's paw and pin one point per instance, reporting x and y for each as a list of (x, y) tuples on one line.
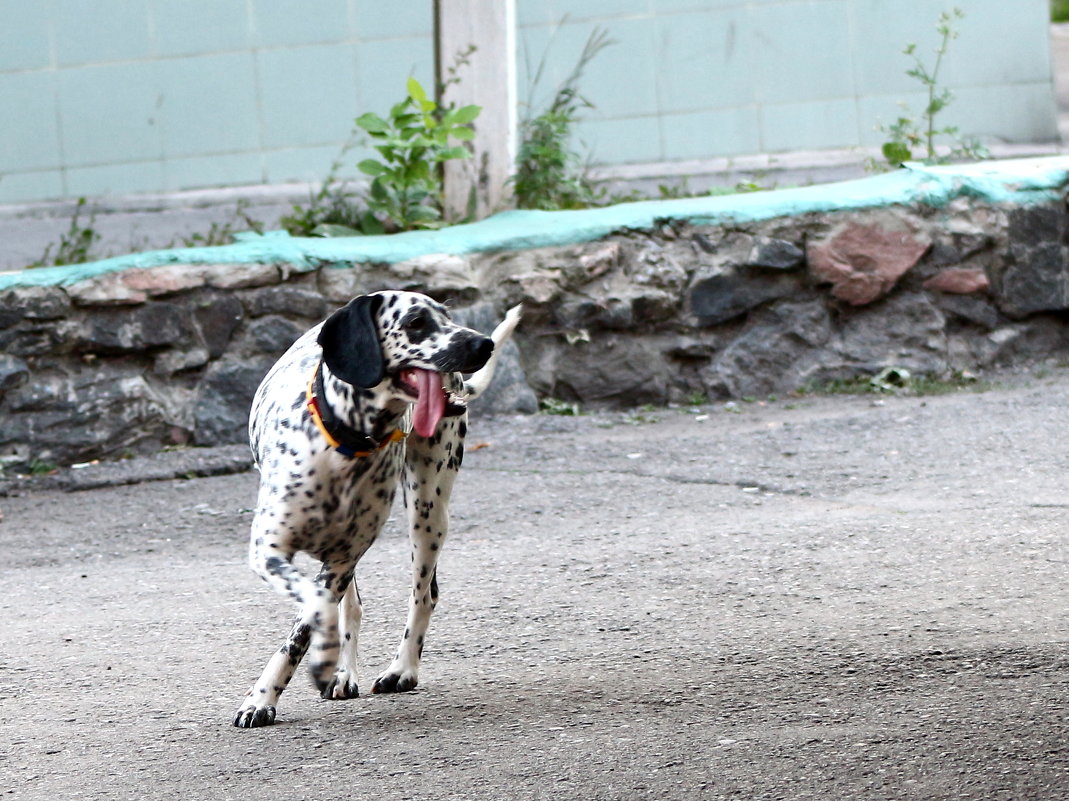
[(252, 717), (390, 682), (340, 688), (323, 677)]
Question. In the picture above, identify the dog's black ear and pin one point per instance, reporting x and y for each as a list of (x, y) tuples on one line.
[(350, 342)]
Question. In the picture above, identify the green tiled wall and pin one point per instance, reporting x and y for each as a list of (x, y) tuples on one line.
[(126, 96)]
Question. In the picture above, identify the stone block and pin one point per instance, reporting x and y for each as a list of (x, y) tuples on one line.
[(1033, 278), (216, 317), (129, 330), (339, 285), (599, 259), (722, 296), (1032, 225), (240, 276), (959, 281), (223, 399), (136, 285), (287, 300), (906, 330), (863, 260), (33, 303), (442, 276), (13, 372), (170, 362), (614, 369), (975, 309), (538, 287), (274, 334), (776, 352), (86, 412), (775, 254)]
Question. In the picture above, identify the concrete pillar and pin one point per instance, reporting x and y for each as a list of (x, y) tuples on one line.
[(488, 80)]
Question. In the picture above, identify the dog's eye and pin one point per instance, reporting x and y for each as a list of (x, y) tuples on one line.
[(418, 322)]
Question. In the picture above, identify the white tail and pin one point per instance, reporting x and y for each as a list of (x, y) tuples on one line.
[(477, 384)]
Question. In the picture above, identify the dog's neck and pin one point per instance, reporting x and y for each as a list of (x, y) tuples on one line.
[(373, 412)]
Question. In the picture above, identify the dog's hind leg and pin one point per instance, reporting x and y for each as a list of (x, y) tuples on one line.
[(431, 467)]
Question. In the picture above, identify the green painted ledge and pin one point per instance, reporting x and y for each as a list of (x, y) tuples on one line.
[(1017, 181)]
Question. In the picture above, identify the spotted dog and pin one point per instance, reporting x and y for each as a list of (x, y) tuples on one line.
[(370, 398)]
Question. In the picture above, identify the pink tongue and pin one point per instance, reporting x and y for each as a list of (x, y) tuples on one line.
[(431, 404)]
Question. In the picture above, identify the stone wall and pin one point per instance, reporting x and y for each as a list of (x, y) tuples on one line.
[(136, 360)]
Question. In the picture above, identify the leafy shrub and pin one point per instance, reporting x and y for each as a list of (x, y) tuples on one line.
[(406, 190), (549, 174), (909, 133), (76, 245)]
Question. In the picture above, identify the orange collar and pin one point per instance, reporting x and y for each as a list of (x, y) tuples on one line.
[(345, 440)]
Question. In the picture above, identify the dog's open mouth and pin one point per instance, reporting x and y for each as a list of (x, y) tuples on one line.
[(432, 401)]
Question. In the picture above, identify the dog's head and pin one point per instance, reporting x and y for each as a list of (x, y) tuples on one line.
[(401, 343)]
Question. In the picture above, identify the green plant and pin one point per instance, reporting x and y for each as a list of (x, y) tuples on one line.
[(331, 209), (643, 415), (908, 132), (549, 174), (406, 190), (75, 246), (39, 467), (740, 188), (896, 380), (222, 233), (558, 407), (1059, 10)]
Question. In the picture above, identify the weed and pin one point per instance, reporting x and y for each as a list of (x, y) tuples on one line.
[(549, 174), (642, 415), (928, 385), (908, 132), (39, 467), (740, 188), (896, 380), (75, 246), (697, 399), (223, 233), (331, 208), (406, 191), (675, 191), (406, 187), (641, 419), (558, 407)]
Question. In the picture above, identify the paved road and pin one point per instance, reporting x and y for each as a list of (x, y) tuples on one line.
[(818, 598)]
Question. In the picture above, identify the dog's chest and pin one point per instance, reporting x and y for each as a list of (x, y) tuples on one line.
[(342, 497)]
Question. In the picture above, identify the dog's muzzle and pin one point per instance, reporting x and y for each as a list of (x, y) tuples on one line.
[(468, 354)]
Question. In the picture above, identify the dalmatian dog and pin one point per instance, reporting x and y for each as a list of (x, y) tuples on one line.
[(371, 398)]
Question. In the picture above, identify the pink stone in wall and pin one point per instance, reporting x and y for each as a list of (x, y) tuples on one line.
[(959, 281), (863, 261)]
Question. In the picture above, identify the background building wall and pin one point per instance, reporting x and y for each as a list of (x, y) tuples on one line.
[(115, 97)]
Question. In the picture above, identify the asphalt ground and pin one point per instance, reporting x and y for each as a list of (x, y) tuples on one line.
[(830, 597)]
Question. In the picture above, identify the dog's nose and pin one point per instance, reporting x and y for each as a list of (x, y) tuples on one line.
[(467, 353), (479, 350)]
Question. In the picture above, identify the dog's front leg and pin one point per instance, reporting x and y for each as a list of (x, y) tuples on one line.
[(344, 683), (431, 467)]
